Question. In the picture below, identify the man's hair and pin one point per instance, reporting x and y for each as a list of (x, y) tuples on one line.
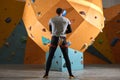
[(59, 11)]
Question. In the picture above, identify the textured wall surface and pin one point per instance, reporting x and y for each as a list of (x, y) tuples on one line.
[(86, 17)]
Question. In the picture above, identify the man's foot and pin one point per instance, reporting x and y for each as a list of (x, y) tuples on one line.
[(45, 76), (71, 77)]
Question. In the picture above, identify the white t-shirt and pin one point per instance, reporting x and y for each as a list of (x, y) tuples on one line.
[(59, 25)]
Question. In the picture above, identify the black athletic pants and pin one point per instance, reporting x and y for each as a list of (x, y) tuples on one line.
[(64, 49)]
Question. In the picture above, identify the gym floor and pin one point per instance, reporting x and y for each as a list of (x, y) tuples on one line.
[(35, 72)]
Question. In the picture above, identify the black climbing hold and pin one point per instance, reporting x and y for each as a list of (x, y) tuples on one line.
[(118, 21), (75, 51), (114, 41), (32, 36), (81, 57), (44, 29), (95, 17), (82, 13), (64, 65), (60, 56), (38, 13), (57, 62), (8, 20), (30, 28)]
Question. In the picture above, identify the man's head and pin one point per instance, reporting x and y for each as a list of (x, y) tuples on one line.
[(59, 11)]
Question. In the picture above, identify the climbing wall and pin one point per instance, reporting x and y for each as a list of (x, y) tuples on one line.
[(13, 35), (108, 42), (58, 62), (86, 17), (112, 30), (10, 14), (13, 51)]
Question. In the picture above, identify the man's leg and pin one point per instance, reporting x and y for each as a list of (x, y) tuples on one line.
[(64, 49), (54, 43)]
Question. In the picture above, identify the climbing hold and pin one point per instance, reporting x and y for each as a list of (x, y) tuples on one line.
[(100, 41), (91, 37), (30, 28), (95, 17), (56, 62), (81, 57), (23, 39), (118, 21), (114, 41), (75, 51), (60, 56), (45, 41), (38, 13), (32, 1), (64, 65), (8, 20), (28, 4), (32, 36), (92, 40), (85, 46), (68, 43), (82, 13), (44, 29), (7, 44), (64, 13)]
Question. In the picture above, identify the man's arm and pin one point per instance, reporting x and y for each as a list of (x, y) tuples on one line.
[(50, 28), (69, 30)]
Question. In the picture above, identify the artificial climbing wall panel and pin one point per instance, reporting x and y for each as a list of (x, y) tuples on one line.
[(108, 42), (86, 17), (13, 51), (10, 14), (33, 54), (112, 30), (91, 59)]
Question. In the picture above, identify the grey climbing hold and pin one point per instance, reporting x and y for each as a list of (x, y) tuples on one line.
[(7, 44)]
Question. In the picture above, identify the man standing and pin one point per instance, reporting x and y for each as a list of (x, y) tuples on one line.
[(59, 26)]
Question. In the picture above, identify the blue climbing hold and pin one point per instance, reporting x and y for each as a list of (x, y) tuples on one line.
[(114, 41), (45, 41), (64, 13), (33, 1)]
